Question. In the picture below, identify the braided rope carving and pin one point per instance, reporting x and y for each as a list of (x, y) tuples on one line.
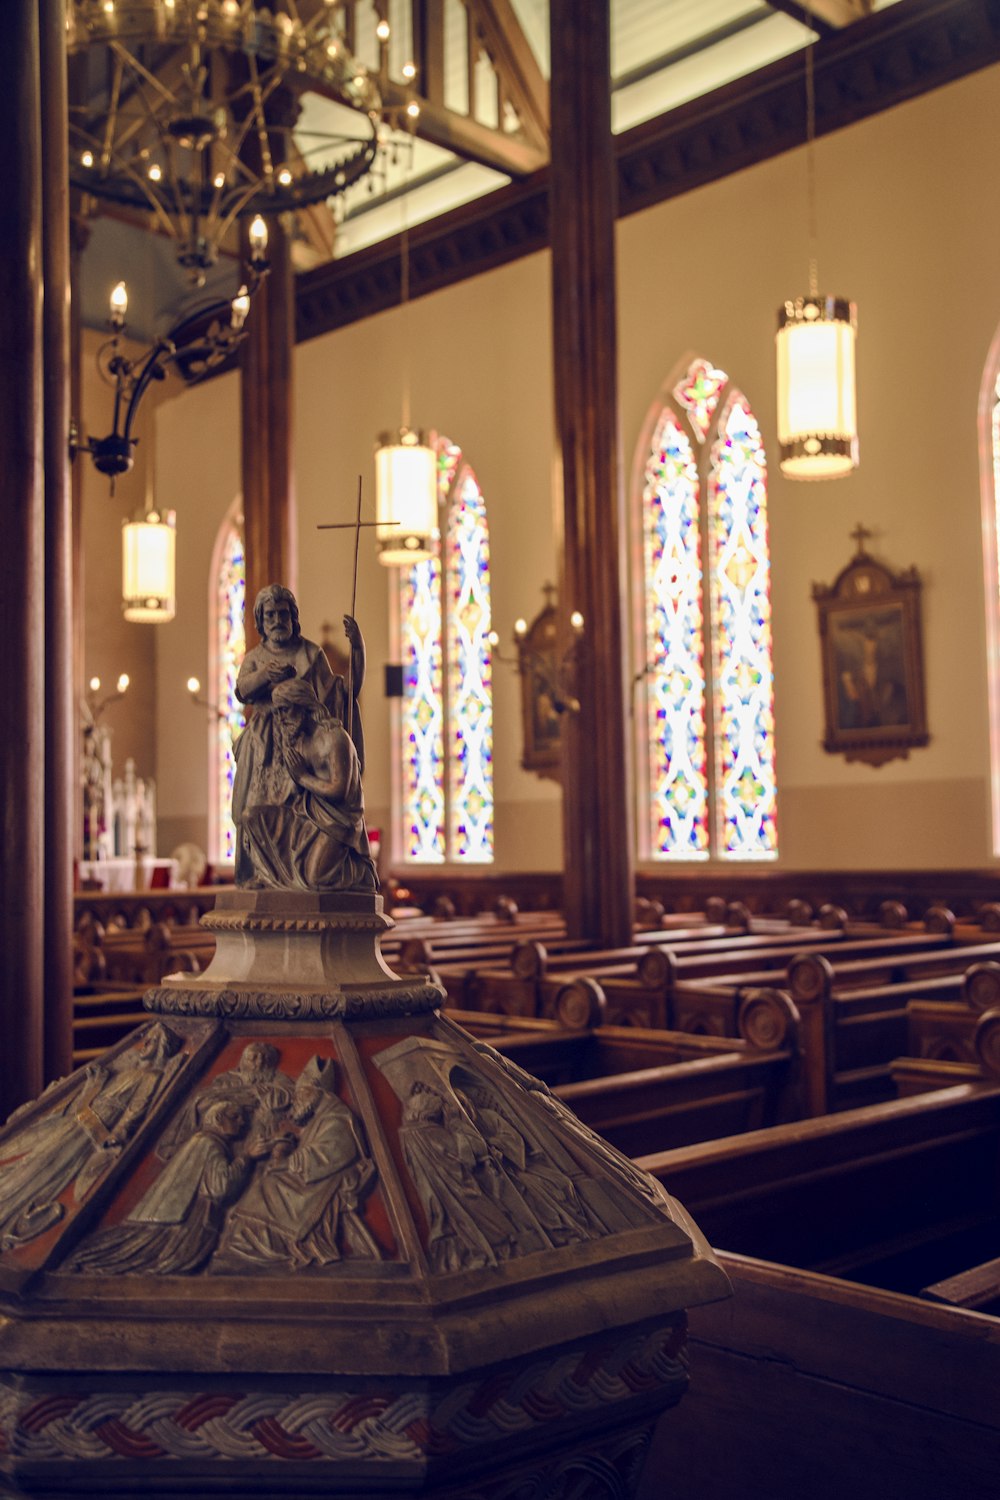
[(334, 1425)]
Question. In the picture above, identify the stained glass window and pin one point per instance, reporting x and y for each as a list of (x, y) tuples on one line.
[(447, 711), (230, 647), (707, 630)]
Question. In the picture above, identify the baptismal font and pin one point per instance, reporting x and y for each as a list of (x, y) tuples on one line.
[(301, 1234)]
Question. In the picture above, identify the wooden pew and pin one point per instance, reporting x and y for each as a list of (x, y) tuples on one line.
[(141, 956), (102, 1015), (898, 1195), (525, 988), (634, 1085), (803, 1385), (939, 1067)]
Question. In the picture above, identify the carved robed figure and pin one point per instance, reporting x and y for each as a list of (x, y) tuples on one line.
[(297, 798)]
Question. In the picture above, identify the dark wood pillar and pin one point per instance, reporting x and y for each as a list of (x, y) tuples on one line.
[(22, 748), (79, 235), (597, 819), (266, 412), (60, 709)]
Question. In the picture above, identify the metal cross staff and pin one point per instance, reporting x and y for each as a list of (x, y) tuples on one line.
[(356, 526)]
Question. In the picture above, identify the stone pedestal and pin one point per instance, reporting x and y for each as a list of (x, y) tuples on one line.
[(303, 1235)]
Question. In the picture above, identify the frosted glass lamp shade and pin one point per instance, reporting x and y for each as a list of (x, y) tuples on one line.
[(817, 405), (405, 493), (148, 567)]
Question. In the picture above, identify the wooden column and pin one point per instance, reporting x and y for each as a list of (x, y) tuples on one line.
[(22, 749), (597, 817), (60, 703), (266, 408), (79, 236)]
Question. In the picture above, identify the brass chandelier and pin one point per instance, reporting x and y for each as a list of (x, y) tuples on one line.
[(190, 107)]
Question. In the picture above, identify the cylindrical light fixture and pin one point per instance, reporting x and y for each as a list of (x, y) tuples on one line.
[(817, 406), (148, 571), (406, 502)]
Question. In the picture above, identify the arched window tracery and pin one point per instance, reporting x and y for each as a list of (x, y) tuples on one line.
[(447, 706), (709, 766)]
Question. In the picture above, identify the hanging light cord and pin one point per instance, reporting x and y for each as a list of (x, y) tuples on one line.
[(404, 295), (811, 226)]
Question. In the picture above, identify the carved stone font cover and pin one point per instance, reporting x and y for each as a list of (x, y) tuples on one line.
[(301, 1234)]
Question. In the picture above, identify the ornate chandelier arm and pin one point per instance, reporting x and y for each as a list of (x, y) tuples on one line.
[(109, 124)]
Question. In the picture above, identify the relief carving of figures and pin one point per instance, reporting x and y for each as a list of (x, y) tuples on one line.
[(315, 838), (175, 1227), (624, 1197), (79, 1142), (504, 1172), (255, 1084), (304, 1208), (262, 777), (451, 1163), (547, 1197)]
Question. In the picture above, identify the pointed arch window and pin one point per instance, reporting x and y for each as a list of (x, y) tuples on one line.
[(229, 648), (447, 707), (707, 741)]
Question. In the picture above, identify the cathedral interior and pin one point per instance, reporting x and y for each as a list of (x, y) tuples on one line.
[(475, 324)]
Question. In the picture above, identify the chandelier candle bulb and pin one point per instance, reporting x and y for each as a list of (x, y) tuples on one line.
[(118, 302), (258, 239), (817, 405), (240, 308)]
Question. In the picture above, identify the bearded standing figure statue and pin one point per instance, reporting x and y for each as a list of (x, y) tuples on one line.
[(284, 655)]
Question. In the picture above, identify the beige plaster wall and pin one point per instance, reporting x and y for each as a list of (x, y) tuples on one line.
[(905, 225), (111, 644), (198, 476), (906, 222)]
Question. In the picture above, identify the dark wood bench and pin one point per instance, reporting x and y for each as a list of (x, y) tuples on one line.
[(804, 1385), (898, 1195)]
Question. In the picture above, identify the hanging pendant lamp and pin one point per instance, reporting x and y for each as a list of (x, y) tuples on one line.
[(405, 498), (815, 345), (406, 488), (148, 567), (817, 405)]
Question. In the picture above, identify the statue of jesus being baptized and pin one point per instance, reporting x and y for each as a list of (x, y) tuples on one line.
[(316, 840)]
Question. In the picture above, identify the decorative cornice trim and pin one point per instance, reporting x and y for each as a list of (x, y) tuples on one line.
[(351, 1003)]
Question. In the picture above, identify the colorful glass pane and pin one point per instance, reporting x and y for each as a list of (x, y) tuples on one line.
[(678, 772), (743, 687), (422, 713), (470, 698), (230, 647), (448, 779), (698, 394)]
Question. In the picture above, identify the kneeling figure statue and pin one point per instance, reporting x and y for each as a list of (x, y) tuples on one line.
[(316, 840)]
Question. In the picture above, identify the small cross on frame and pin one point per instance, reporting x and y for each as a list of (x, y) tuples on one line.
[(355, 526), (860, 535)]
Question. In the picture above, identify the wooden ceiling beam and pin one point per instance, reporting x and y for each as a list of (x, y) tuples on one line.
[(521, 79), (825, 16), (467, 138)]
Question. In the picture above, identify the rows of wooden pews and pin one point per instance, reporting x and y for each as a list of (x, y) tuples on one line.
[(823, 1096)]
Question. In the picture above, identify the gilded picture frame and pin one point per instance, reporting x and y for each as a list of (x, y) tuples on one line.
[(873, 666), (541, 714)]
